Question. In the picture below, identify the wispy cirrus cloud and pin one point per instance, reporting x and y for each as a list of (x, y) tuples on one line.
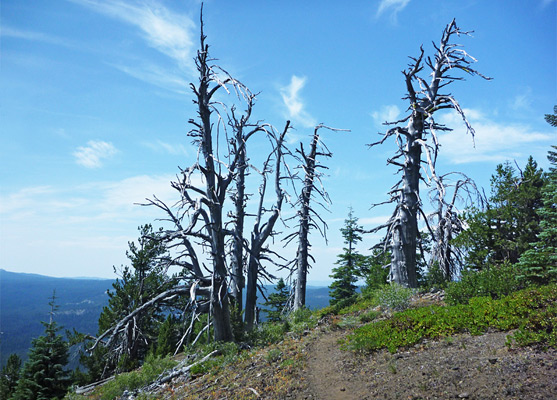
[(162, 147), (391, 6), (294, 104), (167, 32), (92, 155), (7, 31)]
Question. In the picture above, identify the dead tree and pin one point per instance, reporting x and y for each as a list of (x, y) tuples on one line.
[(307, 216), (425, 100), (445, 222), (264, 229)]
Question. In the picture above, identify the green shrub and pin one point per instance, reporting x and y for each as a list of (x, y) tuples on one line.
[(532, 311), (268, 333), (273, 355), (495, 282), (151, 369), (394, 296)]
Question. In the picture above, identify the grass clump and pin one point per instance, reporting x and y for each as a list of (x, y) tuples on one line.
[(532, 311), (152, 368)]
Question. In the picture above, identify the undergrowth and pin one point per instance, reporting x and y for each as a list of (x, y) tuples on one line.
[(532, 311)]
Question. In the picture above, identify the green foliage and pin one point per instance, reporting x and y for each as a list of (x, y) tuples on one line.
[(273, 355), (140, 282), (539, 263), (434, 278), (43, 375), (552, 118), (504, 230), (532, 311), (277, 302), (375, 269), (394, 296), (151, 369), (301, 321), (495, 282), (167, 339), (9, 376), (268, 333), (349, 263)]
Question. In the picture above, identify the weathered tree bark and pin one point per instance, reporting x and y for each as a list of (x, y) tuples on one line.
[(307, 217), (425, 100), (263, 230)]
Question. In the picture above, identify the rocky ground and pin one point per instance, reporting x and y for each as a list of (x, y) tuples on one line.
[(459, 367), (314, 367)]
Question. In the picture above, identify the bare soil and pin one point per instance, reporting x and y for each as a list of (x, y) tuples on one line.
[(459, 367)]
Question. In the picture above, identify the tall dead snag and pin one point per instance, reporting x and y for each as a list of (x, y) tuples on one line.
[(425, 99), (198, 217), (263, 229), (307, 216), (446, 221)]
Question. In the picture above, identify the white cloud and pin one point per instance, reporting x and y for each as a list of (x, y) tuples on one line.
[(91, 156), (291, 97), (494, 141), (162, 147), (522, 101), (156, 75), (388, 113), (86, 225), (394, 6), (168, 32), (6, 31)]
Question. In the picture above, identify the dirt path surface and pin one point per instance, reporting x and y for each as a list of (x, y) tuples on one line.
[(330, 371), (459, 367)]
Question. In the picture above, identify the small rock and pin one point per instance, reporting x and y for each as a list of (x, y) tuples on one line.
[(342, 389), (492, 360), (464, 395)]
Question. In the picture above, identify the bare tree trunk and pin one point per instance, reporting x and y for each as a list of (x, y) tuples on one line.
[(308, 217), (263, 230), (425, 100), (403, 255)]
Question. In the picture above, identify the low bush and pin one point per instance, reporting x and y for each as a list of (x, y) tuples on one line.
[(151, 369), (496, 281), (532, 311), (394, 296)]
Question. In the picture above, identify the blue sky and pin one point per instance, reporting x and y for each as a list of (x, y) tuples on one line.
[(95, 104)]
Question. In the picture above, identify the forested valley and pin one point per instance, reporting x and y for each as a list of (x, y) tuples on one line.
[(456, 262)]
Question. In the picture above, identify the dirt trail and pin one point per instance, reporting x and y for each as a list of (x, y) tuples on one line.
[(459, 367), (330, 371)]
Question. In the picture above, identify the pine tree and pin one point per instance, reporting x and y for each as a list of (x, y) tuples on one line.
[(376, 269), (349, 263), (9, 376), (43, 375), (144, 279), (166, 342), (505, 229), (277, 302)]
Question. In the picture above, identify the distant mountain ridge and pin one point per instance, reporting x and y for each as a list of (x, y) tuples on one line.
[(24, 304)]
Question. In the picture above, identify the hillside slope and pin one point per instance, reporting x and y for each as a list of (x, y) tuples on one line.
[(24, 304)]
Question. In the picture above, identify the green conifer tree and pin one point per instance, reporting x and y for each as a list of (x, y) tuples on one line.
[(9, 376), (504, 230), (43, 376), (276, 302), (166, 342), (349, 263)]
